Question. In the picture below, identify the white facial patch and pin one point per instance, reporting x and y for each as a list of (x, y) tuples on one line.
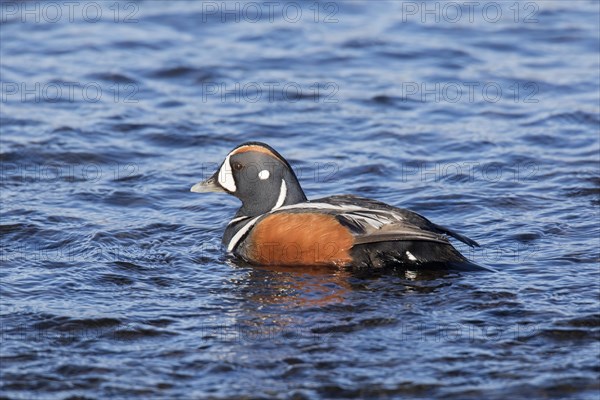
[(226, 175), (410, 256), (264, 174)]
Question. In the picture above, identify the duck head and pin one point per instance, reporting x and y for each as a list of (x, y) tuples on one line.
[(257, 175)]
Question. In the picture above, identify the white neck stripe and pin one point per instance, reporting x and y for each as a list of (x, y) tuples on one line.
[(238, 235), (282, 195), (237, 219)]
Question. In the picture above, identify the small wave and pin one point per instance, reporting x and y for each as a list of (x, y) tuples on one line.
[(183, 71), (575, 117), (113, 77)]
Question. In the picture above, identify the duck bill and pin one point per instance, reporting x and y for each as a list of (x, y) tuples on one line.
[(211, 185)]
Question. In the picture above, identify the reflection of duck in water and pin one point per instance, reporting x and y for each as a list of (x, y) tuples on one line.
[(277, 225), (283, 303), (311, 286), (320, 286)]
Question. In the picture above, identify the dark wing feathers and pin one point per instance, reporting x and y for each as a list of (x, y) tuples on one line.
[(455, 235), (394, 223)]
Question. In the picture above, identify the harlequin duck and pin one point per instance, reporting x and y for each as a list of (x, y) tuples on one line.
[(277, 225)]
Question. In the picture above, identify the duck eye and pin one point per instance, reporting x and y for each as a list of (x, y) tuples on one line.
[(237, 166)]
